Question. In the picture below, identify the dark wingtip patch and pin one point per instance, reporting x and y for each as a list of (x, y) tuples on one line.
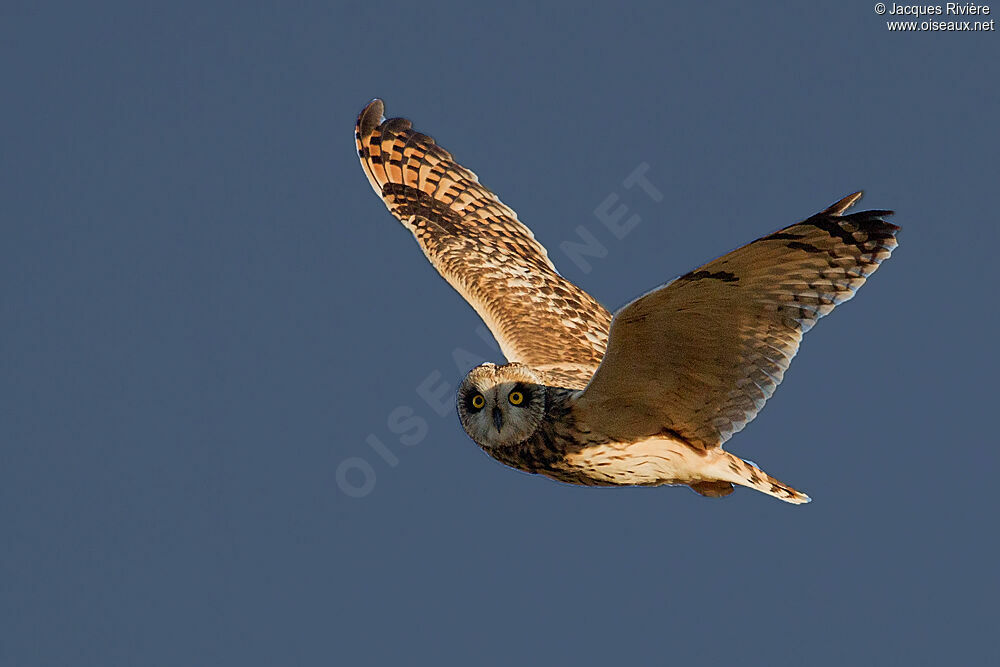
[(874, 218), (397, 125), (370, 118)]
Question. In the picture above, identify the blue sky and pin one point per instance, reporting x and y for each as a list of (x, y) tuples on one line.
[(207, 312)]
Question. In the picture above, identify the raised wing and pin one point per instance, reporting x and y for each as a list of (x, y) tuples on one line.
[(478, 245), (698, 357)]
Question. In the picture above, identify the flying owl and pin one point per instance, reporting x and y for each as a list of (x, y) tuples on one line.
[(647, 396)]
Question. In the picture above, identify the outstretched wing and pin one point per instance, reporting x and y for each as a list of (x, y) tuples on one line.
[(699, 357), (477, 244)]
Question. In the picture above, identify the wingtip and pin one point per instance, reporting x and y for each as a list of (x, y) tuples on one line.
[(370, 117), (845, 203), (877, 216)]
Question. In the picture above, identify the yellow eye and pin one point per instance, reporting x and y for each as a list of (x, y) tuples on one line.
[(516, 398), (478, 401)]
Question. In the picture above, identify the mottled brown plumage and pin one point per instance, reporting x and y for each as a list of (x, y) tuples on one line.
[(478, 245), (649, 397), (732, 327)]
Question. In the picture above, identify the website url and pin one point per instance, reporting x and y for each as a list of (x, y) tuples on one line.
[(946, 26)]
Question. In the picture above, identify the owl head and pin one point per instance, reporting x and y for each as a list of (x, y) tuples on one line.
[(501, 405)]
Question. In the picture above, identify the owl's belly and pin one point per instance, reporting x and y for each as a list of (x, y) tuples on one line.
[(646, 462)]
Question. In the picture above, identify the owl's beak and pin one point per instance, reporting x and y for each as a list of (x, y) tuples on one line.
[(498, 418)]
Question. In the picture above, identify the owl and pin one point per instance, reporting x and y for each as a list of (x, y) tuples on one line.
[(648, 396)]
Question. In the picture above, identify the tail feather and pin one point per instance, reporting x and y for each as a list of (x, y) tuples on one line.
[(748, 474)]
